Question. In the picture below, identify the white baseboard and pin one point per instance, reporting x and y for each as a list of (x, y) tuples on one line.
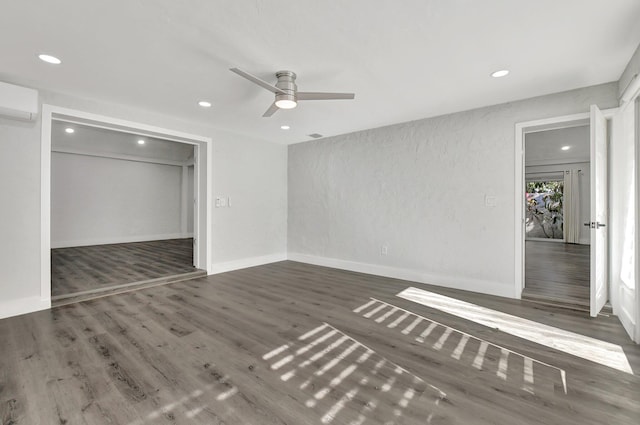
[(119, 239), (464, 283), (243, 263), (584, 241), (23, 306)]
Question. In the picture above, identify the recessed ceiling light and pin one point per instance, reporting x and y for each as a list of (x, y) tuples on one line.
[(285, 127), (69, 130), (49, 59), (204, 104), (141, 141), (501, 73), (565, 148)]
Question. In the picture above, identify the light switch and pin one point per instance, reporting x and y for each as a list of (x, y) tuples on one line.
[(490, 201)]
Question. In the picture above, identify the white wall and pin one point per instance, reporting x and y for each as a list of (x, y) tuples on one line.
[(419, 188), (19, 218), (253, 230), (98, 200), (584, 189)]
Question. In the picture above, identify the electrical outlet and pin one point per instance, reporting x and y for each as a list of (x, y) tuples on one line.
[(490, 201), (384, 250)]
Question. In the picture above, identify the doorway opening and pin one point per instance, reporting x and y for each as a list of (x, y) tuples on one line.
[(125, 205), (557, 203), (596, 122)]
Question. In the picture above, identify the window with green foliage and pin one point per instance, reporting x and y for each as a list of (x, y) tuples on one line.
[(544, 209)]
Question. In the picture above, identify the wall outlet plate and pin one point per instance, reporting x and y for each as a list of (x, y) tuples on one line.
[(490, 201)]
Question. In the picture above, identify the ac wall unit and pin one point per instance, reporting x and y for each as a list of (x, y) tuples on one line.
[(18, 102)]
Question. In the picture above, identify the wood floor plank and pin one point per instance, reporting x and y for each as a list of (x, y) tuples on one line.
[(557, 272), (84, 268), (282, 344)]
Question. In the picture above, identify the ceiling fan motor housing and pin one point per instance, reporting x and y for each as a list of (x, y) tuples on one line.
[(286, 83)]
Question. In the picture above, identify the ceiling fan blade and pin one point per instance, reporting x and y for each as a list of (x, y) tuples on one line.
[(257, 81), (308, 95), (272, 110)]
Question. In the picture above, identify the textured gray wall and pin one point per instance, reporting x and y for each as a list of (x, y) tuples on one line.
[(419, 188)]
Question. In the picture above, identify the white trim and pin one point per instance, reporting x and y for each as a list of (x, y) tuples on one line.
[(45, 204), (119, 239), (636, 100), (247, 262), (521, 129), (23, 306), (456, 282), (550, 162), (82, 152), (51, 112), (544, 240), (632, 91), (209, 205), (184, 198)]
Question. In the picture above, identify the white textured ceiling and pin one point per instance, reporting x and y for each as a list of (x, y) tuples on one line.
[(95, 140), (545, 147), (405, 59)]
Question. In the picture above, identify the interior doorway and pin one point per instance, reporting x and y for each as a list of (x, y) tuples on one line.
[(121, 210), (596, 121), (123, 204), (557, 204)]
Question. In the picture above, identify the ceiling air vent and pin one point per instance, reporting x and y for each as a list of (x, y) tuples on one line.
[(315, 135)]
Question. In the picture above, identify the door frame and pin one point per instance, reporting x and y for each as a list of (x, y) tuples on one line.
[(202, 173), (636, 99), (523, 128)]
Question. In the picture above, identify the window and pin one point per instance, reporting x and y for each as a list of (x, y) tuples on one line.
[(544, 218)]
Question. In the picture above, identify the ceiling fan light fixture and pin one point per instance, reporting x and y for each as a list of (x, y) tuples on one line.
[(286, 103)]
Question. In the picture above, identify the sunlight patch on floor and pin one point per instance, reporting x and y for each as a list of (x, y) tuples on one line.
[(346, 381), (595, 350), (507, 365)]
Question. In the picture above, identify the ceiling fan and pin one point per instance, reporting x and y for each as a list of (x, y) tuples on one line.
[(286, 91)]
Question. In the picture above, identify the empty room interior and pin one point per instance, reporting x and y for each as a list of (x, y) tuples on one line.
[(122, 211), (252, 212)]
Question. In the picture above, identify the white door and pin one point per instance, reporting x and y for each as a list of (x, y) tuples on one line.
[(622, 262), (598, 211)]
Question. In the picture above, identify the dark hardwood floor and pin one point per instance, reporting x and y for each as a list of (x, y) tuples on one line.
[(101, 267), (290, 343), (557, 272)]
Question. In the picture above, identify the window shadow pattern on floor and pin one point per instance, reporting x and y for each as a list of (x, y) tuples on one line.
[(522, 372), (346, 381)]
